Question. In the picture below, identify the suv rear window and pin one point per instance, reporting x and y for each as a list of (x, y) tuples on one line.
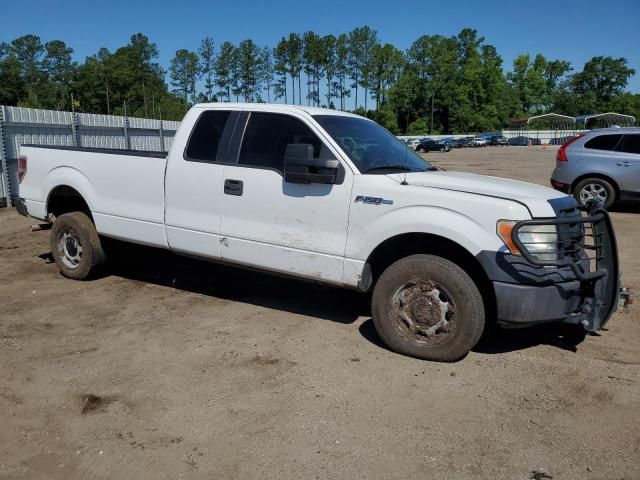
[(205, 138), (631, 143), (603, 142)]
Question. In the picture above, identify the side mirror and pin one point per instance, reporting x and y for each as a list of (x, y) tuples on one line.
[(301, 167)]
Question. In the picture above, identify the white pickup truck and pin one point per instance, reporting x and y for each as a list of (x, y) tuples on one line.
[(334, 198)]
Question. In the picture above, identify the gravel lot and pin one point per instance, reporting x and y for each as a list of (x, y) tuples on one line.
[(171, 368)]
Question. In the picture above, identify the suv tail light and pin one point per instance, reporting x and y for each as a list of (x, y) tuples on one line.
[(22, 168), (561, 156)]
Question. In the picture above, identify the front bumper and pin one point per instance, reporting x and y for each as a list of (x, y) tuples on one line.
[(522, 305), (21, 207), (581, 287)]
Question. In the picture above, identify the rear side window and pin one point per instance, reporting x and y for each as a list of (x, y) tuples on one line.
[(631, 143), (603, 142), (205, 138), (267, 136)]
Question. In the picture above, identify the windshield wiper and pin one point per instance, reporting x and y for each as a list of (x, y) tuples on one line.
[(389, 167)]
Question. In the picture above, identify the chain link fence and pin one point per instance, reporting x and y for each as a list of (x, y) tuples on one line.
[(19, 126)]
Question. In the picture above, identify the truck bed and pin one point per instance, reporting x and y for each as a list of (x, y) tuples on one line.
[(124, 188)]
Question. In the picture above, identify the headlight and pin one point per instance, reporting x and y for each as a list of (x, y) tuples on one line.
[(541, 241)]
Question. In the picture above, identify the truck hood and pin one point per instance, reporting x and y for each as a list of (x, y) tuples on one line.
[(534, 197)]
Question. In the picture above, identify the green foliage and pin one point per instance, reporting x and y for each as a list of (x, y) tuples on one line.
[(417, 127), (361, 42), (449, 84), (224, 69), (248, 69), (184, 71), (387, 118), (207, 67)]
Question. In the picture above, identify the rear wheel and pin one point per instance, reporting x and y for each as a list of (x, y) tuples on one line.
[(76, 246), (595, 188), (428, 307)]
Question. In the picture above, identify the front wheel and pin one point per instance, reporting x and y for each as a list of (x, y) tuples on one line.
[(76, 246), (427, 307)]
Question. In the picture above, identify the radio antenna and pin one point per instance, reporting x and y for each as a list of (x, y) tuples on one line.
[(406, 152)]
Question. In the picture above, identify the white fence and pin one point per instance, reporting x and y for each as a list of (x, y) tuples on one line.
[(19, 126)]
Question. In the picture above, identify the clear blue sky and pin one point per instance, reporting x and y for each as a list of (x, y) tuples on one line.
[(574, 31)]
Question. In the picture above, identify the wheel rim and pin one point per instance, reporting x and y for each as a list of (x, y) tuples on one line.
[(423, 312), (593, 191), (70, 249)]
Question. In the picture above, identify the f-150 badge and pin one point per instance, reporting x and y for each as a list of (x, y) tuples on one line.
[(373, 200)]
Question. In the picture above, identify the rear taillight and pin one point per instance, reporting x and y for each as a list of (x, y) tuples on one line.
[(22, 168), (561, 156)]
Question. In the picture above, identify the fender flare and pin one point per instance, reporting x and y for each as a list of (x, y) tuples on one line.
[(69, 177)]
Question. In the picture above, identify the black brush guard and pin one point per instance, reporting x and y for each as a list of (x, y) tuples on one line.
[(587, 246)]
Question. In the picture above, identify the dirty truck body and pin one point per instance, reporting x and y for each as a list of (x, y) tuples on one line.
[(334, 198)]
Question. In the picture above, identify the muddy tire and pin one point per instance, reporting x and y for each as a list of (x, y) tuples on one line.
[(595, 188), (427, 307), (75, 246)]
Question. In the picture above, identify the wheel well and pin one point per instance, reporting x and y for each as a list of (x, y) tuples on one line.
[(65, 199), (597, 175), (406, 244)]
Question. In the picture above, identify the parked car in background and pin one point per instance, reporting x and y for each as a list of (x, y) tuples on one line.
[(479, 142), (602, 164), (498, 141), (456, 142), (430, 145), (413, 143), (466, 142)]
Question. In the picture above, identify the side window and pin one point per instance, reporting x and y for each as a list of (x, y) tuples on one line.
[(631, 143), (603, 142), (266, 138), (205, 138)]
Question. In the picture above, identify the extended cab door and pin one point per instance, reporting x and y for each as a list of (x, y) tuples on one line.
[(266, 222), (193, 182)]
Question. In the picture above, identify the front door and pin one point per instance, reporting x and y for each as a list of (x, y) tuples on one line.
[(293, 228)]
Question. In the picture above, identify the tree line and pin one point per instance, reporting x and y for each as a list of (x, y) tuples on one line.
[(440, 84)]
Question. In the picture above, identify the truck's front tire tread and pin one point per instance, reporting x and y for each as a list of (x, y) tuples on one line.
[(470, 313)]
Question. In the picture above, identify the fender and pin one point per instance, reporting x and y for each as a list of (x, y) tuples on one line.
[(468, 231), (70, 177), (445, 222)]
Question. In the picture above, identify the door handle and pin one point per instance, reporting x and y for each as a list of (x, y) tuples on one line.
[(623, 164), (233, 187)]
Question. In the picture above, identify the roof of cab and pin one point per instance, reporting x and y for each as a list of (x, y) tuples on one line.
[(274, 107)]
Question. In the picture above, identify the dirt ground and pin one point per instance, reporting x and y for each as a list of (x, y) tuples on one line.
[(170, 368)]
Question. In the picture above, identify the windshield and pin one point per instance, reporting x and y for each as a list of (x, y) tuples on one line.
[(370, 147)]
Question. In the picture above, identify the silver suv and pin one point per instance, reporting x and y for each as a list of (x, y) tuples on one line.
[(602, 164)]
